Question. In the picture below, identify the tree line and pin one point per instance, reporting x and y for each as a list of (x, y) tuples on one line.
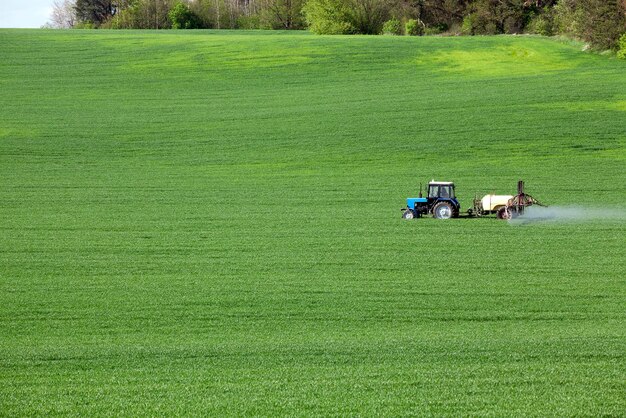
[(599, 22), (178, 14)]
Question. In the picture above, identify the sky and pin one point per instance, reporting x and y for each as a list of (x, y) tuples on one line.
[(24, 13)]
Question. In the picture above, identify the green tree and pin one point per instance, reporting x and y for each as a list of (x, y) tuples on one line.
[(438, 13), (222, 14), (599, 22), (152, 14), (605, 21), (568, 18), (205, 10), (498, 16)]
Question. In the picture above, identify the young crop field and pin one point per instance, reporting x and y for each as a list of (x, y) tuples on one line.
[(208, 223)]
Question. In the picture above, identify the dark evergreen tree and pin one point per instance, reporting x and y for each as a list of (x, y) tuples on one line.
[(94, 11)]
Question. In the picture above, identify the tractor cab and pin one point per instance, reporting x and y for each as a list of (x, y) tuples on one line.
[(441, 202), (440, 190)]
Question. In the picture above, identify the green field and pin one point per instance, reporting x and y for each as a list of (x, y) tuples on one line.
[(208, 223)]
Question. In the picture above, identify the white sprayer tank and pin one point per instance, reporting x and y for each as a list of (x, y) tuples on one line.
[(493, 202)]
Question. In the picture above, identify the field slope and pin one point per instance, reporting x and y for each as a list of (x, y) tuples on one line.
[(207, 223)]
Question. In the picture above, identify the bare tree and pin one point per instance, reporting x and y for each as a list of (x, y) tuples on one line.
[(283, 14), (63, 15)]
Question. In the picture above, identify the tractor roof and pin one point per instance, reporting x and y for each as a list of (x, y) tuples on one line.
[(442, 183)]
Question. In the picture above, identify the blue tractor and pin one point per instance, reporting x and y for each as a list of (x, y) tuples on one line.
[(441, 202)]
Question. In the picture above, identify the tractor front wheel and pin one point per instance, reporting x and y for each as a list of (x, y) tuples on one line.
[(443, 210), (408, 214)]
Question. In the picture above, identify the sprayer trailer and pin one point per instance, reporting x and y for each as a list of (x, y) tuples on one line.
[(441, 203), (490, 204)]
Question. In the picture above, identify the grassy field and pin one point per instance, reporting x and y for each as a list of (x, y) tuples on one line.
[(208, 223)]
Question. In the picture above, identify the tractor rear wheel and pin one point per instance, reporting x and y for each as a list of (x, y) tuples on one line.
[(408, 214), (443, 210)]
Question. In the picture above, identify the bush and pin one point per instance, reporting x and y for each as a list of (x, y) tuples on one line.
[(490, 28), (433, 30), (392, 27), (469, 24), (622, 47), (414, 27), (369, 16), (249, 22), (182, 17), (512, 25), (84, 25), (454, 29), (540, 25), (328, 17), (124, 19)]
